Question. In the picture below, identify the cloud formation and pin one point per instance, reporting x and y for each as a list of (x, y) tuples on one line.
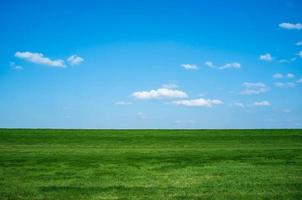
[(266, 57), (278, 75), (262, 103), (75, 60), (161, 93), (254, 88), (291, 26), (141, 115), (299, 43), (234, 65), (169, 86), (285, 85), (239, 104), (189, 66), (189, 121), (15, 66), (198, 102), (210, 64), (122, 103), (39, 58)]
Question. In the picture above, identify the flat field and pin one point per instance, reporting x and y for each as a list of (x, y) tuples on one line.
[(150, 164)]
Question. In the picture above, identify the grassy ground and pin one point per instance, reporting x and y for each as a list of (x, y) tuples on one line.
[(150, 164)]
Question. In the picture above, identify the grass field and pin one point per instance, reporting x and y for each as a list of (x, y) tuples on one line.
[(150, 164)]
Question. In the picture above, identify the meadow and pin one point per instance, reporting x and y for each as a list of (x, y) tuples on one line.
[(150, 164)]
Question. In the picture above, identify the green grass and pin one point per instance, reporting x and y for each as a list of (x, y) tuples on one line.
[(150, 164)]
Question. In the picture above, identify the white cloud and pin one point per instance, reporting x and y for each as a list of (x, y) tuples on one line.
[(283, 61), (169, 86), (184, 121), (285, 85), (300, 54), (75, 60), (293, 59), (160, 93), (291, 26), (266, 57), (278, 75), (141, 115), (262, 103), (299, 43), (299, 81), (189, 66), (239, 104), (286, 110), (254, 88), (210, 64), (198, 102), (234, 65), (287, 60), (16, 67), (122, 103), (39, 58)]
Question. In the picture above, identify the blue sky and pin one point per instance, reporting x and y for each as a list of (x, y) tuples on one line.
[(151, 64)]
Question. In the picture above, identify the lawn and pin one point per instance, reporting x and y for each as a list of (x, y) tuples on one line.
[(150, 164)]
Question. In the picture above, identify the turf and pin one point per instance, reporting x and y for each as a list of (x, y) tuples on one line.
[(150, 164)]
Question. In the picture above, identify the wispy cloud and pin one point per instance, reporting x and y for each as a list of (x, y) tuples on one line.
[(299, 43), (285, 85), (283, 61), (141, 115), (234, 65), (210, 64), (286, 110), (122, 103), (189, 66), (262, 103), (291, 26), (287, 60), (279, 76), (160, 93), (300, 54), (290, 75), (239, 104), (169, 86), (189, 121), (75, 60), (39, 58), (266, 57), (198, 102), (15, 66), (299, 81), (254, 88)]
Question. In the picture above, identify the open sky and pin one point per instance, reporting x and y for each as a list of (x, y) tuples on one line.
[(151, 64)]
